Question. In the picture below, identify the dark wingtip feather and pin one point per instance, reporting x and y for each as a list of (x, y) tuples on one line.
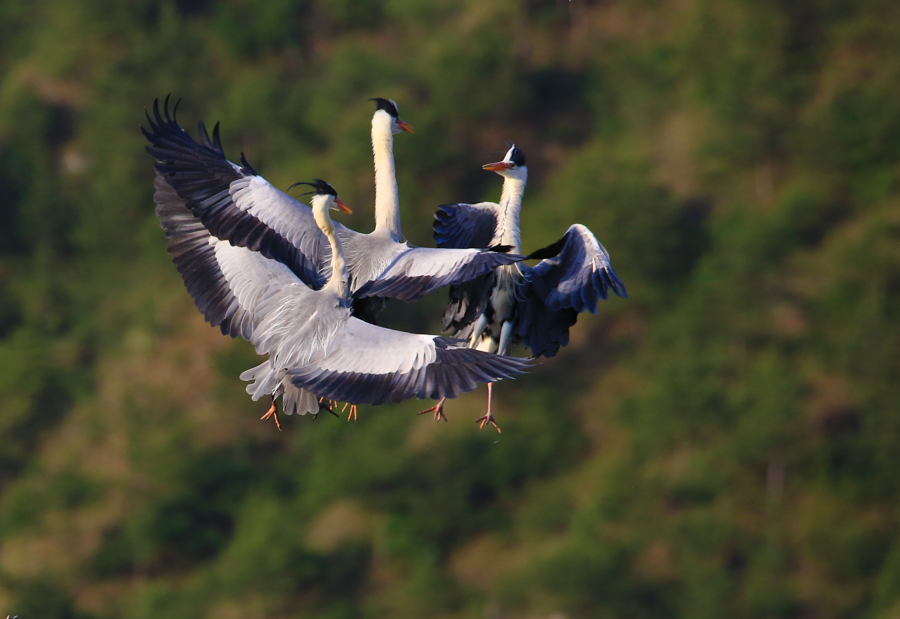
[(216, 141), (246, 167)]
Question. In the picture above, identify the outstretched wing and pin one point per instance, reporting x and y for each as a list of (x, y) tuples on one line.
[(421, 270), (573, 280), (542, 330), (366, 364), (226, 282), (466, 225), (578, 276), (233, 202)]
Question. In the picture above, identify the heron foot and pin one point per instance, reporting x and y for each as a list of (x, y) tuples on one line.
[(487, 419), (328, 405), (272, 412), (352, 413), (437, 409)]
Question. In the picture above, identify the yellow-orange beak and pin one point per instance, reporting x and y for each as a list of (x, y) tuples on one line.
[(496, 167), (404, 126), (340, 204)]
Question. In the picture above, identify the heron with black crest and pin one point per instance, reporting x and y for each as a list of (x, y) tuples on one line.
[(516, 303)]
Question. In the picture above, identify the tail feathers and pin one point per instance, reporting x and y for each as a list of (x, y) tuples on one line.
[(266, 382), (269, 382), (296, 401)]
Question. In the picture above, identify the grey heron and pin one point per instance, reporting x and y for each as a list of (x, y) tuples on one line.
[(516, 303), (314, 344), (236, 204)]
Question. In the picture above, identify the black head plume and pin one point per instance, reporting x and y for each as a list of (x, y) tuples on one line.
[(387, 105), (516, 156), (319, 186)]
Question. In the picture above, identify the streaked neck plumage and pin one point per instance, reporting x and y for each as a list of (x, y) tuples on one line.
[(339, 280), (510, 207), (387, 196)]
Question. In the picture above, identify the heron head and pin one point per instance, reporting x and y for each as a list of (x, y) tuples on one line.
[(389, 108), (323, 196), (512, 166)]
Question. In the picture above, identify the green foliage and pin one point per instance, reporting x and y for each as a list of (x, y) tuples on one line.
[(722, 444)]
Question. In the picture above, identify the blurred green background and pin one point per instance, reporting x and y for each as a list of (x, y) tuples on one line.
[(725, 443)]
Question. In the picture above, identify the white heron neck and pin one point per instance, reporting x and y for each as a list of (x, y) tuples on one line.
[(387, 196), (339, 280), (510, 207)]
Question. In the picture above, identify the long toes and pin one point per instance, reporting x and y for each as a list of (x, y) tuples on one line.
[(487, 419), (272, 411)]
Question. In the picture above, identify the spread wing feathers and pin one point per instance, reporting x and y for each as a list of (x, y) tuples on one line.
[(578, 276), (543, 330), (366, 364), (234, 202), (421, 270), (195, 257), (194, 252), (466, 225)]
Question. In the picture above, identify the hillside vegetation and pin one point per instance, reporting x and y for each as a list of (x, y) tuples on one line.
[(724, 443)]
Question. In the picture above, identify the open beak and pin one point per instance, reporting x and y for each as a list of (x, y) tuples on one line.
[(404, 126), (340, 204), (496, 167)]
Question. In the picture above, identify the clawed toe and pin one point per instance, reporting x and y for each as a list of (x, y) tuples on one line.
[(272, 412), (483, 421), (437, 409), (328, 405)]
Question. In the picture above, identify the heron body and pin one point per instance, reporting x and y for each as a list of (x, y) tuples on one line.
[(536, 305), (313, 342), (574, 274), (236, 204)]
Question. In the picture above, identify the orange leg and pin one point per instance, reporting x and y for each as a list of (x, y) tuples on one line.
[(488, 418), (272, 412), (437, 409), (352, 414)]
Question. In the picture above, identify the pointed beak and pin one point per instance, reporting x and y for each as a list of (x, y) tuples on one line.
[(340, 204), (404, 126), (496, 167)]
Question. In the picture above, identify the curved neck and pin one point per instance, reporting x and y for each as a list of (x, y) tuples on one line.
[(387, 197), (339, 280), (510, 207)]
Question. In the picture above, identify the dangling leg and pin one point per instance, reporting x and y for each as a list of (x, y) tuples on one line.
[(488, 418), (272, 412), (352, 413), (437, 409), (328, 405), (502, 349)]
